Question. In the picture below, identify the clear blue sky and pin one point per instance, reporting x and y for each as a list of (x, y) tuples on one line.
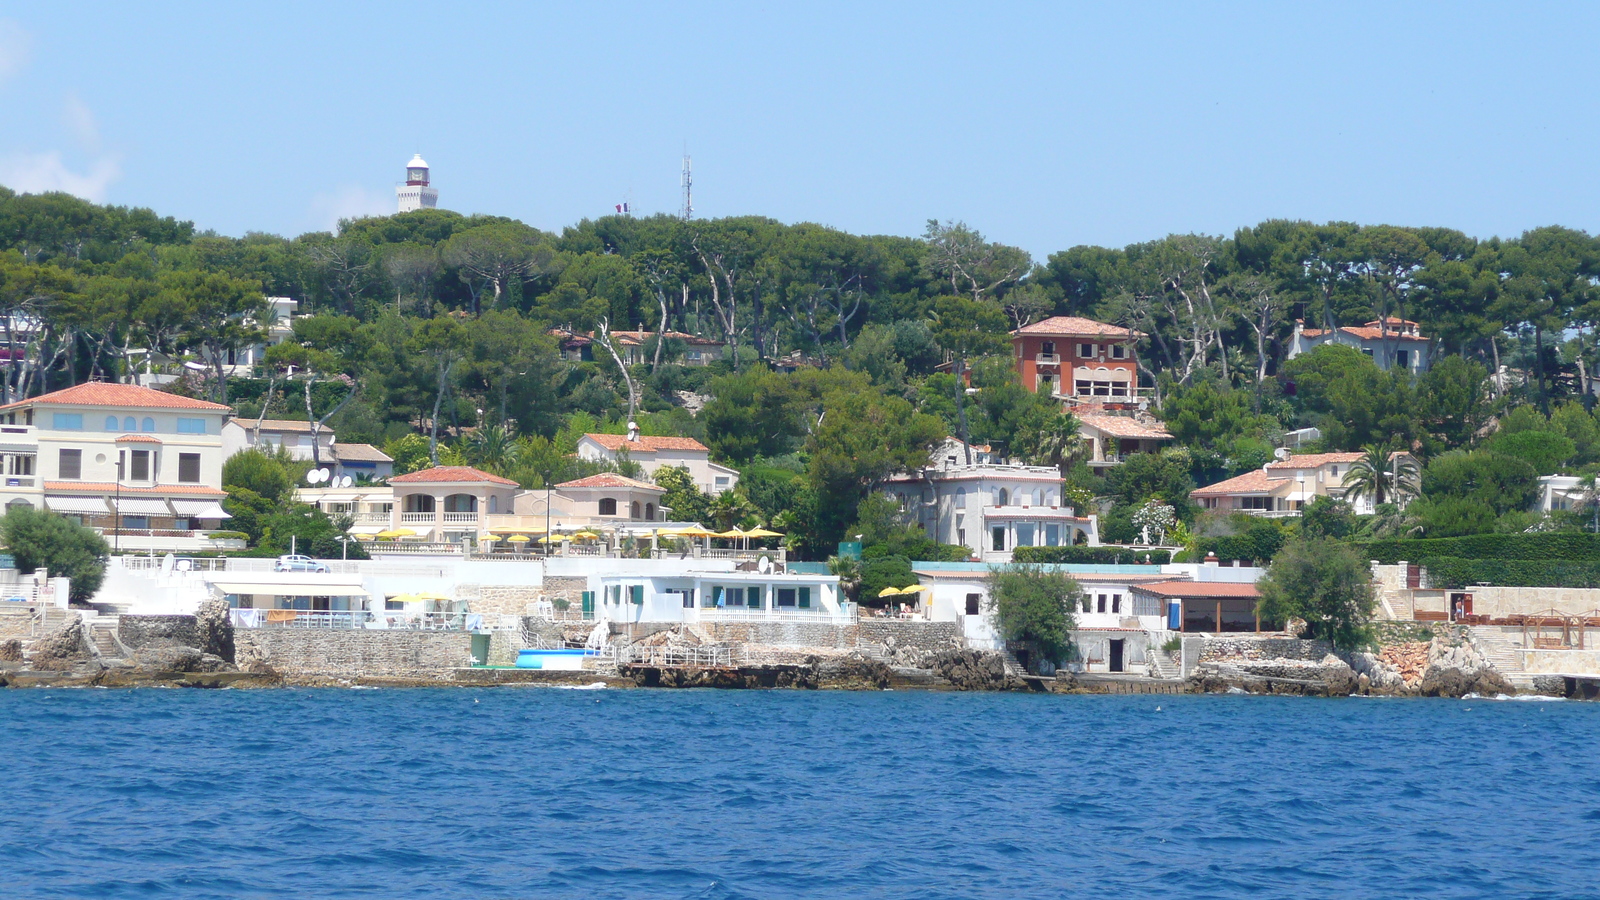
[(1043, 125)]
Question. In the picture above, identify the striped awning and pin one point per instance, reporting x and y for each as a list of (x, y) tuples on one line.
[(141, 506), (200, 509), (81, 505)]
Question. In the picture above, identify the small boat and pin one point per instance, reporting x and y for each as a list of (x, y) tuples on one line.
[(562, 660)]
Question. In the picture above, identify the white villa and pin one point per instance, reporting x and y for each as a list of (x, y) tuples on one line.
[(990, 507), (356, 460), (1114, 438), (1390, 342), (652, 453), (141, 466)]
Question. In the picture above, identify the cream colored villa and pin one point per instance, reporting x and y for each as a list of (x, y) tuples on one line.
[(141, 466), (652, 453)]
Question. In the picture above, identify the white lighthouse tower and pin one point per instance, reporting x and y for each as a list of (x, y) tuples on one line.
[(415, 193)]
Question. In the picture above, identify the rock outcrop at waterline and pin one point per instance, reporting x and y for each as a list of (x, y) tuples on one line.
[(62, 650), (971, 670), (1458, 669)]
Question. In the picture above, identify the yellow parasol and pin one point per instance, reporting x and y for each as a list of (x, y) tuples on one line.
[(519, 539), (734, 533), (404, 598), (761, 532), (393, 533), (554, 539), (889, 592), (363, 537), (585, 535), (696, 531), (913, 589)]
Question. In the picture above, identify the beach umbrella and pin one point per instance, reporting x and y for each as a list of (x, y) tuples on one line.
[(696, 531), (553, 539), (913, 589), (393, 533), (585, 535), (363, 537), (405, 598), (761, 532), (519, 539), (889, 592), (734, 534)]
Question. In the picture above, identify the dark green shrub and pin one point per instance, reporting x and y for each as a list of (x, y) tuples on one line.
[(1091, 555)]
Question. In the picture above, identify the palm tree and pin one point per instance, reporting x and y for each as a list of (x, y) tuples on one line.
[(848, 568), (492, 448), (1384, 474)]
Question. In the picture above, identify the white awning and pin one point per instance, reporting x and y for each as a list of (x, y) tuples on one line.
[(142, 506), (368, 529), (294, 584), (191, 507), (91, 505), (211, 511)]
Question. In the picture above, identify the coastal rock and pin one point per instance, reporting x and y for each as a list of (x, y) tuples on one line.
[(63, 649), (852, 672), (11, 651), (179, 659), (1329, 676), (214, 629), (971, 670), (1458, 669)]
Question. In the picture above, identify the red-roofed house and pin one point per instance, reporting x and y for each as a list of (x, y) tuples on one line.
[(652, 453), (1205, 606), (1281, 488), (142, 466), (1390, 342), (1080, 360), (449, 503), (1115, 438)]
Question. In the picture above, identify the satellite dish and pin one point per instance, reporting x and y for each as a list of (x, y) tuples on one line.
[(346, 481), (323, 474)]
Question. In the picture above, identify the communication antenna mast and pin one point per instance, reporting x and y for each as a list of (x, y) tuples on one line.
[(688, 190)]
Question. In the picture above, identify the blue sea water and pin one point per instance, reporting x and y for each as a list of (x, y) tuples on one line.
[(537, 793)]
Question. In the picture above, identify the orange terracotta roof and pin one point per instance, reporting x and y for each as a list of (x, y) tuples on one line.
[(1252, 482), (1075, 326), (1218, 589), (610, 480), (104, 393), (284, 425), (449, 475), (645, 443), (138, 439), (1126, 427), (106, 487), (1314, 460)]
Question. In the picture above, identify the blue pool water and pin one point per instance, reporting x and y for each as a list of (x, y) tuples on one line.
[(528, 792)]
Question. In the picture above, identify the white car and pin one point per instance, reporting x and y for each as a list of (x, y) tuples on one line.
[(298, 563)]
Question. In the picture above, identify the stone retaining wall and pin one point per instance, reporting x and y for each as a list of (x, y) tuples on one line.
[(499, 599), (137, 632), (354, 653), (1233, 649)]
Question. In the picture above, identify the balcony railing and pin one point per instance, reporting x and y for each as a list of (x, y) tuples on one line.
[(370, 518), (1048, 359), (417, 517), (25, 481), (333, 620), (459, 517)]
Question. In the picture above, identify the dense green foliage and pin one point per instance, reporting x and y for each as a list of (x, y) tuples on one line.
[(1324, 583), (39, 539), (1034, 606), (1260, 542), (1095, 555), (1568, 547), (481, 340), (1450, 572)]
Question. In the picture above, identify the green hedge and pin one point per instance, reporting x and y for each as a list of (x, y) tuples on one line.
[(1451, 572), (1090, 555), (1568, 547), (1255, 544)]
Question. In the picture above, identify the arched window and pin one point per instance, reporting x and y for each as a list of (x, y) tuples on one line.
[(1003, 498), (111, 423), (494, 503), (633, 510), (961, 498), (608, 506), (650, 511), (130, 424), (1038, 498), (149, 424)]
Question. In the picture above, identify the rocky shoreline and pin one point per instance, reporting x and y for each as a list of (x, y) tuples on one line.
[(199, 652)]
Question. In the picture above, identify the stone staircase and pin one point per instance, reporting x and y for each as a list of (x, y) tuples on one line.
[(1163, 666), (1013, 666), (103, 635), (1501, 648)]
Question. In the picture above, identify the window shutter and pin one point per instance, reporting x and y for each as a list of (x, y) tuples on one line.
[(638, 593), (805, 598), (588, 602)]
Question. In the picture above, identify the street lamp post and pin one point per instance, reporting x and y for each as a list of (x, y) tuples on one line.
[(116, 534)]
